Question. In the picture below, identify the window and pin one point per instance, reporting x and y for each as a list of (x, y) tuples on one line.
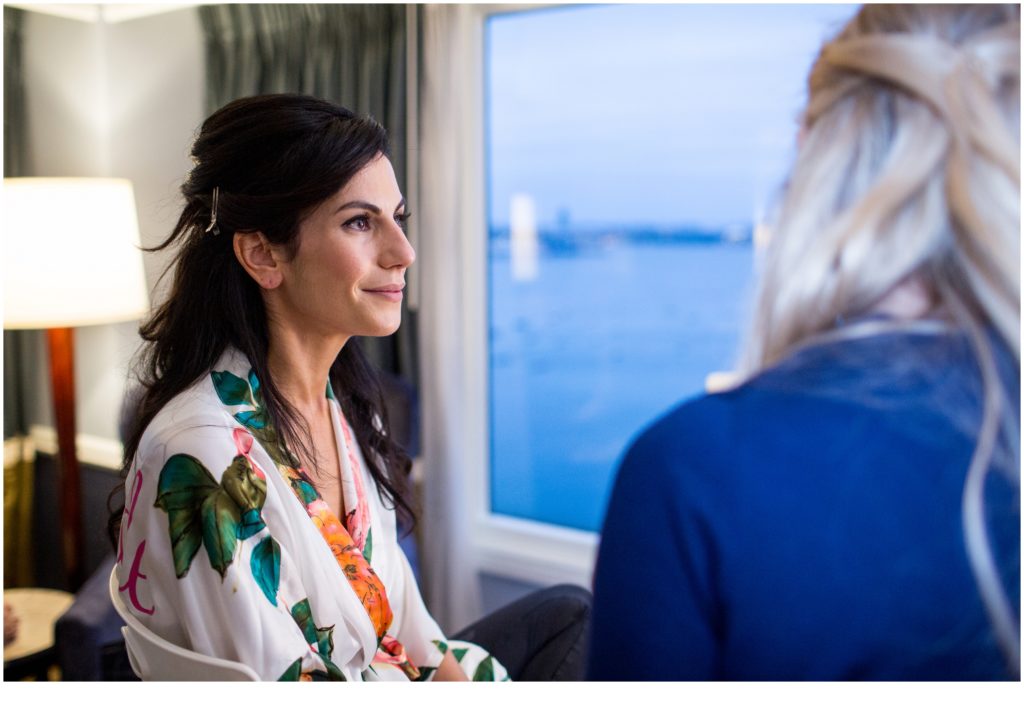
[(631, 154)]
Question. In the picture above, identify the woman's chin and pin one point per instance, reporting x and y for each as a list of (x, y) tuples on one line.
[(384, 328)]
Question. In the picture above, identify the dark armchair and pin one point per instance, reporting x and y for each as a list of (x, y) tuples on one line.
[(88, 636)]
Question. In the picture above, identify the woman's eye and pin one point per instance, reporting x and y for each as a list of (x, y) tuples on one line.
[(360, 223), (402, 218)]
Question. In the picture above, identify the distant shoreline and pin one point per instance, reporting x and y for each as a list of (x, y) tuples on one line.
[(569, 242)]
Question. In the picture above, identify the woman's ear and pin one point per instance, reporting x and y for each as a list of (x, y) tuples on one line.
[(259, 258)]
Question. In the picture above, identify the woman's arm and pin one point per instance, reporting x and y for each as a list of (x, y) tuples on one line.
[(449, 671)]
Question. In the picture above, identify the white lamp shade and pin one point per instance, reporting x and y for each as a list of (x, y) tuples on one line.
[(71, 253)]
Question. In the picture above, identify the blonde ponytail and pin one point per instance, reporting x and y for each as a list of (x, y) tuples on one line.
[(909, 170)]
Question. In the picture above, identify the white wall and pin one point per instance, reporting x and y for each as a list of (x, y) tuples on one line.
[(120, 99)]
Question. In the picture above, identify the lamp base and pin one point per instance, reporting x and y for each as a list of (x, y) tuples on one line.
[(61, 342)]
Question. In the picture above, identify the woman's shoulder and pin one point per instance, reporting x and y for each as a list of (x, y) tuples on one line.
[(855, 371), (824, 400), (889, 370), (203, 414)]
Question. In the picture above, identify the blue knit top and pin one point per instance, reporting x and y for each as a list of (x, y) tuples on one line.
[(807, 525)]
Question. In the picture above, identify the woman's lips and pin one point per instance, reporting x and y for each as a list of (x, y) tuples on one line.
[(392, 293)]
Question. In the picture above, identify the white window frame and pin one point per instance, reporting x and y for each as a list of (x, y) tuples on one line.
[(515, 548)]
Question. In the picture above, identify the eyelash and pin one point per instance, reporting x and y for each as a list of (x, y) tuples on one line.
[(400, 219)]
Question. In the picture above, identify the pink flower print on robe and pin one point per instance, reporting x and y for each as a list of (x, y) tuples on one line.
[(357, 521), (243, 442)]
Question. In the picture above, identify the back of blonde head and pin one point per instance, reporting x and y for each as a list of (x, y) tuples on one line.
[(909, 166), (909, 173)]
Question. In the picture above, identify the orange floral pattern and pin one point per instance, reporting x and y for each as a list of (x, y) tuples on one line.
[(349, 541), (360, 575)]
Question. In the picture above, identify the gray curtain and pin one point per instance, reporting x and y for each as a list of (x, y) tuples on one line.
[(18, 345), (352, 55), (15, 142), (19, 363)]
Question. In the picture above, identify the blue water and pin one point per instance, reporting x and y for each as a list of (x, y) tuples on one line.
[(592, 350)]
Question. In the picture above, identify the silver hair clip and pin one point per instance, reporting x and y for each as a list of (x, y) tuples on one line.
[(213, 212)]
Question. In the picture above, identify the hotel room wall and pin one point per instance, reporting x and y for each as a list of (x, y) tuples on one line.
[(121, 100), (117, 99)]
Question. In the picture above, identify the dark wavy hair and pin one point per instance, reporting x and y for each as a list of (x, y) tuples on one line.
[(275, 158)]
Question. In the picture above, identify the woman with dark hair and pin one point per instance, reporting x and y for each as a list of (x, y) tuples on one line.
[(852, 509), (261, 482)]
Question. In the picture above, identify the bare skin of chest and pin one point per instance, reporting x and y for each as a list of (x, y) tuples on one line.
[(327, 476)]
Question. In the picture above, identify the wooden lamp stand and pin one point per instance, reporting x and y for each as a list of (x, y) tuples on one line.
[(61, 342)]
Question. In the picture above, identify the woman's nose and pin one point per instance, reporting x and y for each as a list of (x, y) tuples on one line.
[(398, 251)]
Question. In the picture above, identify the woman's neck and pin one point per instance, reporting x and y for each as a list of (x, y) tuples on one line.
[(300, 365), (910, 299)]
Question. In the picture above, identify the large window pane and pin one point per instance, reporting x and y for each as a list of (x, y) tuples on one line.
[(632, 152)]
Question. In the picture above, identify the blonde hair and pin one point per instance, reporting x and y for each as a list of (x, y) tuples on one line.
[(909, 171)]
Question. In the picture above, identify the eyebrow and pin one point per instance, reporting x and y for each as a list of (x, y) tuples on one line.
[(360, 204)]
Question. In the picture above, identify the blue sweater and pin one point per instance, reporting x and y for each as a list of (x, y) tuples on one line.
[(807, 525)]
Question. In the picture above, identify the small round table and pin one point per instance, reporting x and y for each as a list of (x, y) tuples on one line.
[(32, 650)]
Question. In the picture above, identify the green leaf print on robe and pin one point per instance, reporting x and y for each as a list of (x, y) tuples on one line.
[(322, 638), (202, 511), (292, 674), (484, 672), (252, 420), (234, 391), (221, 522), (183, 486), (266, 567), (368, 549)]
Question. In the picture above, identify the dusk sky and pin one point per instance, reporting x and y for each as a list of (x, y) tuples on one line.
[(648, 114)]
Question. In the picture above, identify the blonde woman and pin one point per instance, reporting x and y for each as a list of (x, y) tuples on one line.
[(852, 510)]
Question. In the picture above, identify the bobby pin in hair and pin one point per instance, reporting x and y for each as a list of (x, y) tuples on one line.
[(213, 212)]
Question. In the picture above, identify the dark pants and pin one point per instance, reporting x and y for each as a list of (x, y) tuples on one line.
[(540, 637)]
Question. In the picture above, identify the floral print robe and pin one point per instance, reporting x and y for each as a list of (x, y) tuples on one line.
[(227, 550)]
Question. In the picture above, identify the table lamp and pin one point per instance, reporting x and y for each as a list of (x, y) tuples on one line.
[(71, 257)]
